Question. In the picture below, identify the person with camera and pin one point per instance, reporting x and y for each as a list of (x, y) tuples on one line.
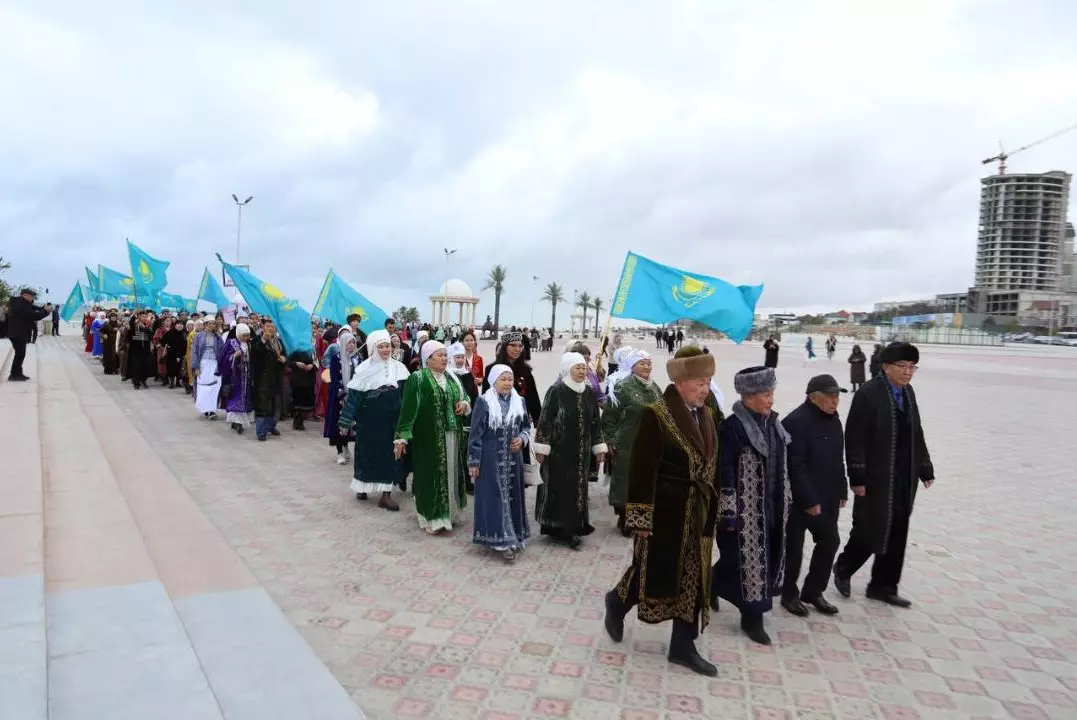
[(22, 324)]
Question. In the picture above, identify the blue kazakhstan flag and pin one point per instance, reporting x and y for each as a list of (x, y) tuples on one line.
[(94, 284), (211, 291), (172, 301), (338, 300), (658, 293), (147, 271), (73, 304), (292, 321), (114, 283)]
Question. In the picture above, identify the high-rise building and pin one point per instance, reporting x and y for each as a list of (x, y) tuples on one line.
[(1022, 231), (1069, 261)]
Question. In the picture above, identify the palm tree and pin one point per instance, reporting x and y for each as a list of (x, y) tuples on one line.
[(584, 301), (495, 281), (553, 295), (597, 305)]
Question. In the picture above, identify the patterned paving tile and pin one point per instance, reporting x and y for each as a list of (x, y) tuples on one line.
[(419, 626)]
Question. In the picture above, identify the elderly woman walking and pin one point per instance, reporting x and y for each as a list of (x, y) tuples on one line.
[(235, 371), (206, 351), (500, 428)]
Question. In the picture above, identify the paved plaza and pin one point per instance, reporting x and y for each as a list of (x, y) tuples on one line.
[(411, 625)]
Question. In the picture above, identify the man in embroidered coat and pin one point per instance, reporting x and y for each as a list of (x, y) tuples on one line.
[(886, 456), (670, 508), (754, 499)]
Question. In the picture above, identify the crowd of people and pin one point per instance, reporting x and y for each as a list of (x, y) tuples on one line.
[(685, 473)]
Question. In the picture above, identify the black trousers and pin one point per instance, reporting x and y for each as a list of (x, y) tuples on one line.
[(140, 364), (682, 633), (824, 533), (19, 345), (33, 332), (56, 327), (886, 570)]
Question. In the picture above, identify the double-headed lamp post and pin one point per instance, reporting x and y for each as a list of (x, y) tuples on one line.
[(239, 219)]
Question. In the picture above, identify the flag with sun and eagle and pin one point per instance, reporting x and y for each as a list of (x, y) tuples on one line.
[(657, 293), (148, 273), (292, 321), (338, 300)]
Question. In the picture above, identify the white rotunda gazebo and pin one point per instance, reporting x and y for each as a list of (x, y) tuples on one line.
[(454, 292)]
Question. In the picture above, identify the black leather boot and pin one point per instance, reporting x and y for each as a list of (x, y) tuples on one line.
[(682, 650)]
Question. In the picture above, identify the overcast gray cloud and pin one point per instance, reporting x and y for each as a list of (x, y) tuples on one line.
[(828, 149)]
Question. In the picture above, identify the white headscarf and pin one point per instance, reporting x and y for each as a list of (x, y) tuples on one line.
[(345, 357), (100, 316), (242, 329), (628, 361), (568, 360), (374, 372), (429, 348), (457, 350), (718, 394), (516, 409)]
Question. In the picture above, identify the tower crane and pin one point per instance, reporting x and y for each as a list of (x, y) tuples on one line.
[(1003, 155)]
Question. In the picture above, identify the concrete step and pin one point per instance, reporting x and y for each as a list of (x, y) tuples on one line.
[(256, 663), (23, 674), (116, 645)]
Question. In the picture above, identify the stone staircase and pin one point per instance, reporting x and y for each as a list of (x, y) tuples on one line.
[(118, 598)]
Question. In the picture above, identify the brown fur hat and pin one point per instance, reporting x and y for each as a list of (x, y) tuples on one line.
[(690, 363)]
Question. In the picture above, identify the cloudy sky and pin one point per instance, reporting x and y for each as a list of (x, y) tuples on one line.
[(829, 149)]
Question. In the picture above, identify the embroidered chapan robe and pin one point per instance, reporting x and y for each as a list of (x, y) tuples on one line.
[(754, 500), (568, 433), (619, 422), (671, 492), (500, 514), (436, 446)]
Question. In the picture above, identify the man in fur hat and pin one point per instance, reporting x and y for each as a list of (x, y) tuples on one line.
[(886, 456), (670, 508), (754, 500)]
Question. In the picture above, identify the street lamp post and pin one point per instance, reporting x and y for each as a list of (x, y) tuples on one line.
[(534, 278), (239, 219), (445, 303)]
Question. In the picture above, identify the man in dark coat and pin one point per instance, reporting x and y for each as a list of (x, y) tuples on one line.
[(820, 490), (22, 317), (267, 377), (754, 500), (886, 455), (670, 508), (771, 347)]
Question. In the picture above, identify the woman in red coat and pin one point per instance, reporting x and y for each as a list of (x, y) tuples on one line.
[(472, 357)]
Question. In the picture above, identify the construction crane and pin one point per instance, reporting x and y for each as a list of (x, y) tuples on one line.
[(1003, 155)]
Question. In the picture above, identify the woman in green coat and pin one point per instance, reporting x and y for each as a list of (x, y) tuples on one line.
[(630, 389), (430, 428)]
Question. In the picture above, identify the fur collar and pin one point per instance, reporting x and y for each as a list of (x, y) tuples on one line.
[(706, 442), (754, 432)]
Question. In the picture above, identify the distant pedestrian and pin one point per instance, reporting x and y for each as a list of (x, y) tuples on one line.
[(857, 361), (771, 347), (876, 364)]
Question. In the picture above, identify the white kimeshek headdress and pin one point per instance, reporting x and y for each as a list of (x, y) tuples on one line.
[(374, 372), (493, 403)]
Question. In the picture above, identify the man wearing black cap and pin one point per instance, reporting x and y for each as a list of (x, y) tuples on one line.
[(820, 490), (887, 456), (22, 321)]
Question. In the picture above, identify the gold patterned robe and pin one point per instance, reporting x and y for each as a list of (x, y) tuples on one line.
[(671, 494)]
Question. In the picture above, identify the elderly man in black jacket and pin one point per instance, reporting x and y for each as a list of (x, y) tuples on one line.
[(22, 318), (817, 475), (888, 459)]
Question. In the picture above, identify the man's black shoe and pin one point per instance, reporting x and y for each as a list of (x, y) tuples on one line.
[(690, 658), (795, 606), (822, 606), (275, 432), (756, 632), (18, 378), (889, 598), (615, 620), (715, 604), (843, 585)]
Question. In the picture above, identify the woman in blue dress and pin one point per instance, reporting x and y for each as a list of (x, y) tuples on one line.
[(341, 359), (500, 428), (95, 329)]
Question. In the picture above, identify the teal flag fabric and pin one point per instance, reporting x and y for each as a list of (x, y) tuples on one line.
[(148, 272), (656, 293), (73, 304), (211, 291), (292, 321), (172, 301), (338, 300), (114, 283)]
